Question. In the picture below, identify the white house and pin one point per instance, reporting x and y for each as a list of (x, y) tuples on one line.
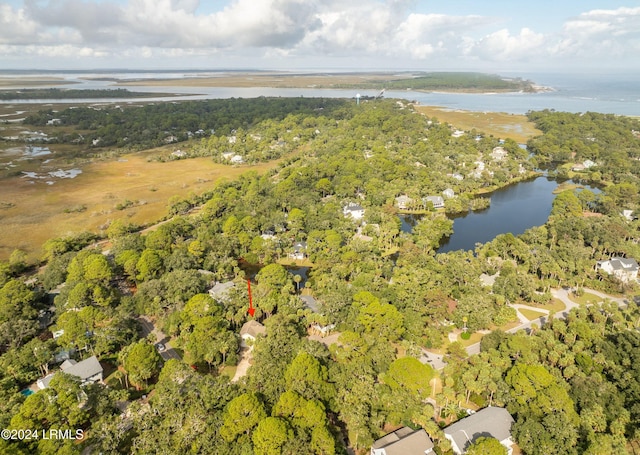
[(404, 441), (625, 269), (489, 422), (448, 193), (250, 331), (628, 214), (299, 251), (355, 211), (437, 201)]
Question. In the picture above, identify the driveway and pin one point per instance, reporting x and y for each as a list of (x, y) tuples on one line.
[(147, 328)]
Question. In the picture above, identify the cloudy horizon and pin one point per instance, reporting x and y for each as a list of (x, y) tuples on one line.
[(304, 34)]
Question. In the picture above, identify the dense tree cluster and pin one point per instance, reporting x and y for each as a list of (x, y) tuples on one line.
[(572, 385)]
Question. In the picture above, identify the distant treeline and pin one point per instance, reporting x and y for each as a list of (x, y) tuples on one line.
[(156, 124), (57, 93), (452, 81)]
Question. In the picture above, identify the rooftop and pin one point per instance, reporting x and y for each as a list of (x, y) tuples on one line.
[(404, 441), (84, 370), (489, 422), (252, 328)]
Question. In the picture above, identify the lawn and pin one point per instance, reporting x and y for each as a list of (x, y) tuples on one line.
[(531, 314), (586, 299), (554, 305)]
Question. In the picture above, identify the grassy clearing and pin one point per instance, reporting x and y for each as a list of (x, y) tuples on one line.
[(585, 299), (498, 124), (42, 211), (475, 338), (531, 314), (554, 305)]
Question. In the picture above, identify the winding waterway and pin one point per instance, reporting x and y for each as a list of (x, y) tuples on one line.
[(513, 209)]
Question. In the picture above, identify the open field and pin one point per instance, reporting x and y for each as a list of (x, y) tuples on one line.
[(35, 211), (498, 124)]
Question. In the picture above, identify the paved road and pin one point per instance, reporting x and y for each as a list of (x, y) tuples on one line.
[(562, 295), (148, 328)]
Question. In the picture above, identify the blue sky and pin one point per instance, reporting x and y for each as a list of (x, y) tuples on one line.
[(483, 35)]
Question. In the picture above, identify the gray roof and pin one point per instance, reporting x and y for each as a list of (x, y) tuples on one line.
[(46, 380), (404, 441), (490, 422), (310, 303), (299, 246), (221, 290), (353, 207), (252, 328), (435, 199), (84, 370)]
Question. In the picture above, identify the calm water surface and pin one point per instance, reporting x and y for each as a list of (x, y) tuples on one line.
[(513, 209)]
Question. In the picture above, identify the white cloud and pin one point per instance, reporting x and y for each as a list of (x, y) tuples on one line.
[(601, 34), (288, 30), (15, 26), (503, 46)]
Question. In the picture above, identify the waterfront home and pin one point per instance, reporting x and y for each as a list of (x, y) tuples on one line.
[(437, 201), (403, 201)]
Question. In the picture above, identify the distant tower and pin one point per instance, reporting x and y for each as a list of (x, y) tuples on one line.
[(358, 99)]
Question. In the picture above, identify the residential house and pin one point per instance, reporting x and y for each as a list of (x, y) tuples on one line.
[(355, 211), (237, 159), (498, 153), (310, 303), (489, 422), (448, 193), (586, 164), (250, 331), (220, 291), (437, 201), (403, 202), (625, 269), (628, 214), (404, 441), (299, 251), (88, 371)]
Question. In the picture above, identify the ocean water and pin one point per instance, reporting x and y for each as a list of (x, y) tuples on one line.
[(606, 92)]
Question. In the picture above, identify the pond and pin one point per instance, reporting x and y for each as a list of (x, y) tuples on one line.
[(513, 209)]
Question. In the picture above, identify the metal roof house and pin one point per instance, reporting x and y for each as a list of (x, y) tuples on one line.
[(491, 422)]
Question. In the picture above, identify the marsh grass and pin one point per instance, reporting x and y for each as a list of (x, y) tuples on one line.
[(41, 211), (498, 124)]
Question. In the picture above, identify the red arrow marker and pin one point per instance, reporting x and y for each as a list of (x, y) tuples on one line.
[(251, 309)]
